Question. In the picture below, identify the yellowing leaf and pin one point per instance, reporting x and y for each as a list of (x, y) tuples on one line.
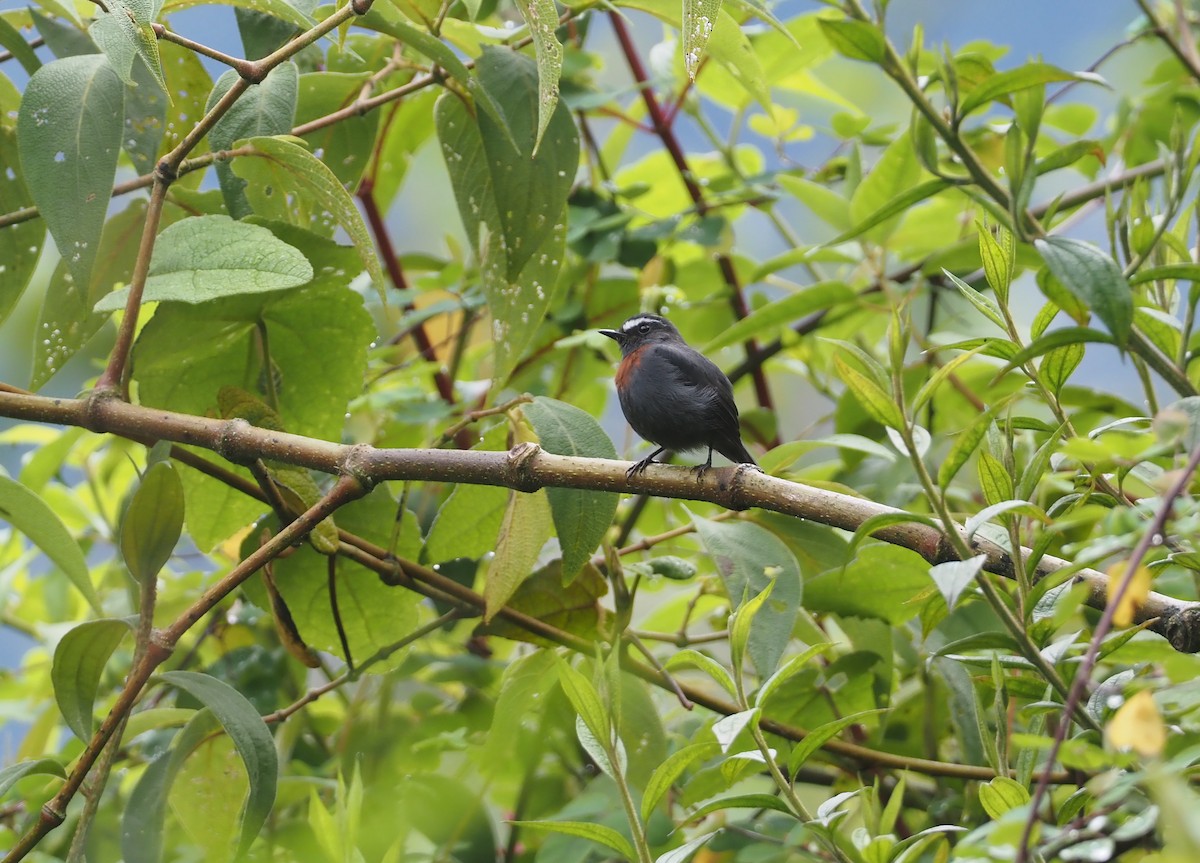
[(1137, 725), (1131, 600)]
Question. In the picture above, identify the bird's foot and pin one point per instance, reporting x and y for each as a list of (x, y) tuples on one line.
[(640, 467), (701, 469)]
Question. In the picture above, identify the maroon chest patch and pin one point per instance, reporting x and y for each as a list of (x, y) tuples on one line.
[(627, 367)]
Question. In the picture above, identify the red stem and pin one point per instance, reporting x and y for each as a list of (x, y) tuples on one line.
[(662, 128), (391, 262)]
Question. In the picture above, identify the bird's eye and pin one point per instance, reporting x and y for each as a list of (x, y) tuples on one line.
[(643, 328)]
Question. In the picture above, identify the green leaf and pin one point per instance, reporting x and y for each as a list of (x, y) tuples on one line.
[(249, 734), (147, 105), (890, 189), (20, 244), (530, 183), (66, 322), (210, 257), (510, 201), (790, 669), (1068, 155), (930, 388), (1184, 272), (1058, 365), (818, 737), (955, 576), (280, 9), (1093, 277), (748, 558), (13, 42), (124, 33), (1056, 339), (989, 309), (995, 481), (586, 830), (318, 339), (997, 259), (153, 522), (266, 108), (467, 523), (586, 701), (667, 772), (345, 146), (728, 45), (30, 515), (79, 661), (824, 203), (1002, 794), (278, 168), (882, 582), (685, 851), (966, 443), (581, 518), (542, 18), (201, 793), (571, 607), (143, 820), (69, 135), (741, 801), (874, 400), (695, 659), (819, 297), (858, 40), (1003, 84), (699, 19), (526, 527), (1022, 507), (13, 773), (739, 628)]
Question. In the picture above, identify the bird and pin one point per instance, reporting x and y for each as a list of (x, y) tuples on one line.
[(674, 396)]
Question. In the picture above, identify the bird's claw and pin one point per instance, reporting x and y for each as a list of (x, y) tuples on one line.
[(640, 467)]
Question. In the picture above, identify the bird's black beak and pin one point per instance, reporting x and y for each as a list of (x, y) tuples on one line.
[(615, 335)]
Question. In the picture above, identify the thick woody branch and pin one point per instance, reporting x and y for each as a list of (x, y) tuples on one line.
[(529, 468)]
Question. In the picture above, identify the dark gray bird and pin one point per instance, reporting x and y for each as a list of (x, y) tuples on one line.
[(673, 395)]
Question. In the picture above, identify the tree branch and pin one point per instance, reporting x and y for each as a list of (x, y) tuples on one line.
[(528, 468)]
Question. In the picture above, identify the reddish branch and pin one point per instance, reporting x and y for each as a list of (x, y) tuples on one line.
[(665, 132)]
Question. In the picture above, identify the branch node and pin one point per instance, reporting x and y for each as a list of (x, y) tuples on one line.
[(51, 816), (739, 498), (165, 173), (252, 72), (520, 460), (228, 444), (361, 7), (359, 465), (93, 408), (1182, 629)]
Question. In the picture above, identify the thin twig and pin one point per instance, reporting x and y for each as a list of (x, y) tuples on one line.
[(1153, 534)]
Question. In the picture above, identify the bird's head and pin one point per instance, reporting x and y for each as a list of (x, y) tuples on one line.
[(641, 330)]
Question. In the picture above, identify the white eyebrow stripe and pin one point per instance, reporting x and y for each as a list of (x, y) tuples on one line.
[(633, 323)]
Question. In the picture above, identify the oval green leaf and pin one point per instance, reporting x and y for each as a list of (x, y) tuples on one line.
[(69, 136), (153, 522), (1094, 278), (581, 518), (210, 257), (748, 558), (29, 514), (79, 661), (249, 734)]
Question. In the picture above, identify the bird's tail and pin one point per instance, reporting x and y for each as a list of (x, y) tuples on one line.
[(734, 450)]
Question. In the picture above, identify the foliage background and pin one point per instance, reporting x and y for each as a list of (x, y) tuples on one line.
[(947, 278)]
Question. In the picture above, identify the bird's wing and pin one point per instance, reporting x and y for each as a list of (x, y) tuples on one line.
[(693, 369)]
